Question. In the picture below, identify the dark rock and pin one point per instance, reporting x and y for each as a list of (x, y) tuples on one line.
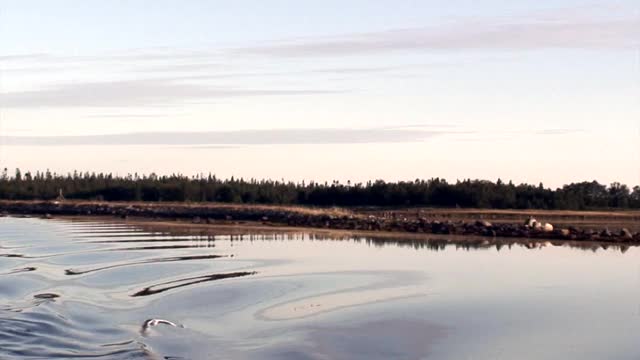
[(436, 227), (626, 234), (491, 233)]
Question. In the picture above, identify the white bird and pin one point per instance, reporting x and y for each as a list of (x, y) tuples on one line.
[(153, 322), (535, 224)]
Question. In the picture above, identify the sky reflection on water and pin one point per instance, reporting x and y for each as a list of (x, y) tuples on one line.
[(84, 289)]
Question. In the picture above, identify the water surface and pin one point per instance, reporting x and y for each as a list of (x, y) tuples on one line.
[(86, 290)]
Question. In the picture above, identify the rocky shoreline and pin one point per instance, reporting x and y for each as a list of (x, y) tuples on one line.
[(318, 218)]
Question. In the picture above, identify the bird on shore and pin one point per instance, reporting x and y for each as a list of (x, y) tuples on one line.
[(535, 224)]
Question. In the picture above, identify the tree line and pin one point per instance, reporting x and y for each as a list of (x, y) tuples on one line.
[(434, 192)]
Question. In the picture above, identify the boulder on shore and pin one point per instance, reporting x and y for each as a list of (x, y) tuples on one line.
[(483, 223)]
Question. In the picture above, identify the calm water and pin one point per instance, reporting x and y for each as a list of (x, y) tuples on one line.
[(85, 290)]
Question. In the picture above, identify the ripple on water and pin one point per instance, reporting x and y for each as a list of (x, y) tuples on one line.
[(38, 322), (43, 332)]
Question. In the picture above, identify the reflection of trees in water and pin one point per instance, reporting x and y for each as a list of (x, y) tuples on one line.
[(498, 245), (434, 244)]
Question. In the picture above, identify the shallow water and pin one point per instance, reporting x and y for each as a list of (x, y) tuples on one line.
[(85, 290)]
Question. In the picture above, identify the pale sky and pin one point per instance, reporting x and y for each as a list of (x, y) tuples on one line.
[(530, 91)]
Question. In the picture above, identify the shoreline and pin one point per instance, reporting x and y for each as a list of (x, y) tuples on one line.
[(569, 226), (239, 229)]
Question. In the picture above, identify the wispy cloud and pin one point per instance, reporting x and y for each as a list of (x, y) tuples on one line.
[(33, 70), (127, 116), (182, 67), (130, 93), (202, 147), (327, 136), (558, 131), (492, 135), (359, 70), (23, 57), (514, 33), (239, 137), (152, 55)]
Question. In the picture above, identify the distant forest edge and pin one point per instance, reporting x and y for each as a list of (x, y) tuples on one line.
[(434, 192)]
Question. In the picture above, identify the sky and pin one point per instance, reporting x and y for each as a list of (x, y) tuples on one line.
[(530, 91)]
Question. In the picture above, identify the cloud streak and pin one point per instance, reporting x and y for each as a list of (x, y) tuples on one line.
[(237, 137), (133, 93), (23, 57), (183, 68), (559, 131), (127, 116), (581, 32), (292, 136)]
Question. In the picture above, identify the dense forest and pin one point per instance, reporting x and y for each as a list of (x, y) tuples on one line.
[(434, 192)]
